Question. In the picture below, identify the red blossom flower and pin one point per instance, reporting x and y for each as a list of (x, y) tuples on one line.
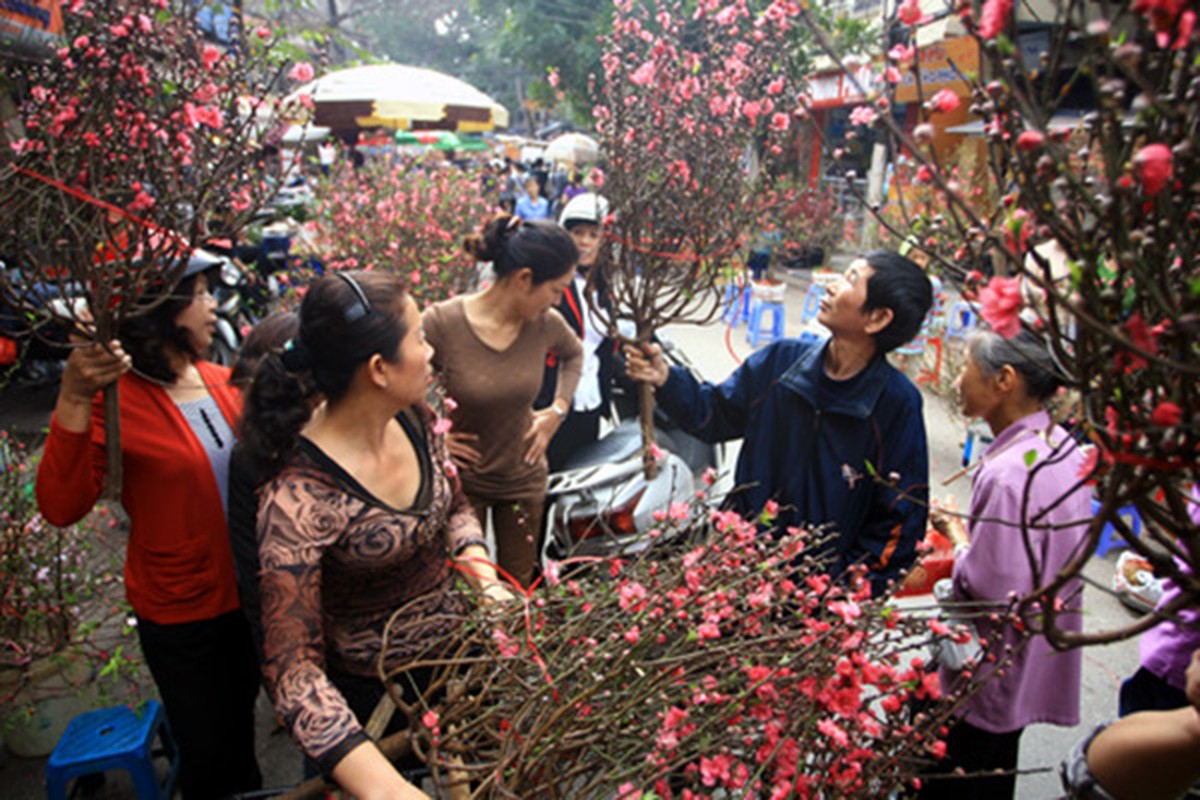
[(301, 72), (1184, 30), (862, 115), (1154, 167), (909, 12), (1030, 140), (944, 101), (210, 55), (995, 17), (643, 74), (1000, 305), (1166, 414)]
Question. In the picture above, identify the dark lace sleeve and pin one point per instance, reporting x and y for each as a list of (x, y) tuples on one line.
[(299, 517)]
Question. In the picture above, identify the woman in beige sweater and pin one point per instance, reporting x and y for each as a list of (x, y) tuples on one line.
[(490, 349)]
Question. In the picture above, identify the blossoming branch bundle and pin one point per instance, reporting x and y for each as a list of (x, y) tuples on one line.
[(126, 145), (687, 89), (59, 587), (1094, 241), (731, 666), (410, 222)]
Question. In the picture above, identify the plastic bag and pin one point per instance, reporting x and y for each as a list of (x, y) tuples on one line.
[(948, 651)]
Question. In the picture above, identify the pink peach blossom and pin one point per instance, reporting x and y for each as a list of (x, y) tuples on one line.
[(1000, 305), (302, 72), (995, 17), (1155, 168)]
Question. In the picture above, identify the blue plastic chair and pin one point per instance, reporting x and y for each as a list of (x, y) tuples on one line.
[(1109, 540), (114, 738), (975, 432), (736, 303), (963, 319), (756, 333), (812, 303)]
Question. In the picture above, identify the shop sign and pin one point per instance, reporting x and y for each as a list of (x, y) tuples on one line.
[(30, 28), (837, 89), (943, 65)]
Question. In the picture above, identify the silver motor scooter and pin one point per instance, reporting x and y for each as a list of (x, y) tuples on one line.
[(601, 504)]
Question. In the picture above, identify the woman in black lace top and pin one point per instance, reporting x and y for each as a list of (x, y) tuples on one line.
[(359, 517)]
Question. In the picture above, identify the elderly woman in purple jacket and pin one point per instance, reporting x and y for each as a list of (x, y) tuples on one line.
[(1027, 497)]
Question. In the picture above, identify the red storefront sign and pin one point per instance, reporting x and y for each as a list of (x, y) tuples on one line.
[(30, 28)]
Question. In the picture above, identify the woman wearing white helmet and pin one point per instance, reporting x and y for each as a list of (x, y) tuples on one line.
[(583, 217)]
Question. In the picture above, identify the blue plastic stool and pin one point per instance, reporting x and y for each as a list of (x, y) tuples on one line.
[(756, 333), (985, 438), (737, 304), (114, 738), (963, 319), (812, 303), (1108, 538)]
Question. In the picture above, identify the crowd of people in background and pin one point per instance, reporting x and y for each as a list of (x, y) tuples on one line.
[(329, 497), (537, 189)]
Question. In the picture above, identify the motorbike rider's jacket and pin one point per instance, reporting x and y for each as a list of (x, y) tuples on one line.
[(850, 453)]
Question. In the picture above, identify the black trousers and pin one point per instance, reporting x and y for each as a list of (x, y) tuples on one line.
[(207, 678), (974, 750), (1145, 691), (580, 428)]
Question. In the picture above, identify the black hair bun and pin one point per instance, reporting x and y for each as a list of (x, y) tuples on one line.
[(489, 244)]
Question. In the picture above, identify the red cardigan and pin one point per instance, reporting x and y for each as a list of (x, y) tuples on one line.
[(178, 565)]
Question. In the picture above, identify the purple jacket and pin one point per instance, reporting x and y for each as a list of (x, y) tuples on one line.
[(1038, 684), (1167, 648)]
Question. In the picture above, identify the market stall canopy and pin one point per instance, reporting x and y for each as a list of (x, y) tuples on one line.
[(400, 97), (1065, 119), (299, 134), (575, 148), (442, 140)]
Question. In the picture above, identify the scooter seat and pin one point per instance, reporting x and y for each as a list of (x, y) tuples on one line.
[(621, 443)]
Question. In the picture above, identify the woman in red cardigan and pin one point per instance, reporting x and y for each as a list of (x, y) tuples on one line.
[(178, 415)]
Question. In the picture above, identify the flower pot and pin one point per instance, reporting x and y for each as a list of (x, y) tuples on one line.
[(768, 290), (46, 696)]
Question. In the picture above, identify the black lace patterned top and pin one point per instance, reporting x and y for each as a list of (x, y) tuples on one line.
[(336, 563)]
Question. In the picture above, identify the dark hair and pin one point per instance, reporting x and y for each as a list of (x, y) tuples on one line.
[(1026, 353), (269, 334), (345, 318), (511, 244), (900, 285), (148, 338)]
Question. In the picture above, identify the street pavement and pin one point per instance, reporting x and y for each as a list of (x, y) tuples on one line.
[(715, 350)]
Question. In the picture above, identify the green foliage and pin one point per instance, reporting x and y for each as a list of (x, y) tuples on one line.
[(563, 34)]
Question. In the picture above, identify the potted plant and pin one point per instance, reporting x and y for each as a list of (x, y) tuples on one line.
[(60, 626)]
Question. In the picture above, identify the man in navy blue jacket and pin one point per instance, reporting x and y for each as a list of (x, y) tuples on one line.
[(833, 433)]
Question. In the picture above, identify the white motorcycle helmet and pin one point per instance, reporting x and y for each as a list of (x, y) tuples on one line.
[(587, 208)]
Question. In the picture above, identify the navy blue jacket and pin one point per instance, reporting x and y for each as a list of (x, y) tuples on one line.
[(811, 454)]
